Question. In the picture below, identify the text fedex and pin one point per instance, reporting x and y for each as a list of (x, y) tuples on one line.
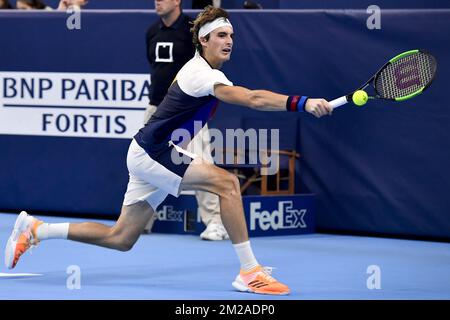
[(285, 217)]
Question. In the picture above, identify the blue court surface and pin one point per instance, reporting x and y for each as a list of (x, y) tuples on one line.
[(183, 267)]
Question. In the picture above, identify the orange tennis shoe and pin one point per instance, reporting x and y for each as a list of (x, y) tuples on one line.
[(22, 238), (259, 280)]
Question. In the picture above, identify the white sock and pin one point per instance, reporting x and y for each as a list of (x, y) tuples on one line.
[(52, 231), (245, 254)]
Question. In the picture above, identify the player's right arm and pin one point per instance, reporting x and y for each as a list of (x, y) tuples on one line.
[(267, 100)]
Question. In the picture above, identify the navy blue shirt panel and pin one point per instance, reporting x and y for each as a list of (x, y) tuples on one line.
[(177, 111)]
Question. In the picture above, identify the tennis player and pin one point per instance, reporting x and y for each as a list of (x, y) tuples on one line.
[(193, 96)]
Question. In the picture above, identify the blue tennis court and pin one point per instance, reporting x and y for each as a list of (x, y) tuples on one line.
[(173, 267)]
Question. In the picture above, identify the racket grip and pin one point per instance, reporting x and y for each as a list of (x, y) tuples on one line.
[(338, 102)]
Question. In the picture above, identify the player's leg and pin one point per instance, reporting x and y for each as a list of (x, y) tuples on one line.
[(122, 236), (29, 231), (208, 203), (204, 176), (139, 202), (209, 211), (207, 177), (137, 210)]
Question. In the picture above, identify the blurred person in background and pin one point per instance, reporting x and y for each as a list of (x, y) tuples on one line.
[(249, 4), (200, 4), (4, 4), (31, 5), (76, 4)]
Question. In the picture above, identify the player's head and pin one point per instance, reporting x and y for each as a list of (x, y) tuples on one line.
[(165, 8), (213, 33)]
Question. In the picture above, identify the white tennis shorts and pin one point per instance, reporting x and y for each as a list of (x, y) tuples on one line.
[(150, 180)]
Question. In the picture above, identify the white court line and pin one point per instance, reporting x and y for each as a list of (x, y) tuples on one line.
[(18, 275)]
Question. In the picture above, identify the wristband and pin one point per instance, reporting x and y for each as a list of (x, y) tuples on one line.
[(296, 103)]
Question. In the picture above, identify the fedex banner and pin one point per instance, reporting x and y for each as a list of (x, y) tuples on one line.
[(265, 215), (96, 105), (279, 215)]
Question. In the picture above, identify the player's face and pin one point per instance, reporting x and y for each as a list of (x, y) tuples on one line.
[(220, 44), (165, 7)]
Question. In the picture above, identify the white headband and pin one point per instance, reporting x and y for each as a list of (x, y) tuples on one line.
[(213, 25)]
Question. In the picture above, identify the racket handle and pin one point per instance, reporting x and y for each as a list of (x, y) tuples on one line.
[(338, 102)]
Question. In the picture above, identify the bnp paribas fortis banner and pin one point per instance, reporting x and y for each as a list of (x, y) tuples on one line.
[(97, 105)]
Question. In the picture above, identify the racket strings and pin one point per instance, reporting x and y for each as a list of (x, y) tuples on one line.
[(406, 76)]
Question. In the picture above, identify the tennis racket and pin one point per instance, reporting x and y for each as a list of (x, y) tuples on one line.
[(401, 78)]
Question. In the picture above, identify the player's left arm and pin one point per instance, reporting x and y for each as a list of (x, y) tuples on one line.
[(270, 101)]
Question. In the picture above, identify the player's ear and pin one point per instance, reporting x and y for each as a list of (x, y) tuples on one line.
[(203, 41)]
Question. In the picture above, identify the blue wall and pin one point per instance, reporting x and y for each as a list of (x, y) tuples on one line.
[(381, 168)]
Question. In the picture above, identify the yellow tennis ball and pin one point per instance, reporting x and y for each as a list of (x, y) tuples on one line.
[(360, 97)]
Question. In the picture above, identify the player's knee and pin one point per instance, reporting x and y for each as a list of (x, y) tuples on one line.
[(230, 185), (123, 241), (124, 245)]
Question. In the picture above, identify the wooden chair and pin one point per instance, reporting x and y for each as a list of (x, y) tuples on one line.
[(259, 172), (287, 160)]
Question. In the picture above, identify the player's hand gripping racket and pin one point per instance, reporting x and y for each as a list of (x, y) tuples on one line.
[(403, 77)]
